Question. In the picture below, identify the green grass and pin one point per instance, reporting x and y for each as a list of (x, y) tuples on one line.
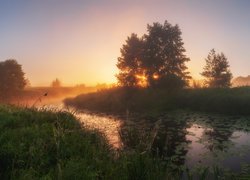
[(230, 101), (46, 144)]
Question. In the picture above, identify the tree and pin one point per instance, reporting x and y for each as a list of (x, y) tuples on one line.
[(56, 83), (130, 62), (164, 56), (216, 71), (156, 59), (12, 79)]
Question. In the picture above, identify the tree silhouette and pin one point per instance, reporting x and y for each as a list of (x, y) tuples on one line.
[(56, 83), (216, 71), (164, 56), (156, 59), (130, 62), (12, 79)]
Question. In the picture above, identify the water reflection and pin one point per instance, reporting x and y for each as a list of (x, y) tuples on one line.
[(185, 139), (196, 140), (218, 142), (108, 125), (191, 140), (170, 141)]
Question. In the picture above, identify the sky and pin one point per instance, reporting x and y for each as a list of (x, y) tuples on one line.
[(78, 41)]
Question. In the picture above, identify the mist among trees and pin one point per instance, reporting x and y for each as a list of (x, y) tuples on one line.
[(157, 59)]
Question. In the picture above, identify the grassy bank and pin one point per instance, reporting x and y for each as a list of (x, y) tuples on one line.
[(53, 145), (225, 101)]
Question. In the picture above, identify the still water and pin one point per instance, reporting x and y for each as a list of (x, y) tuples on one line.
[(196, 140), (107, 125), (192, 140)]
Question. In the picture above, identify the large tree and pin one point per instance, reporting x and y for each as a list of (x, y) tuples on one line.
[(164, 56), (216, 71), (156, 59), (130, 62), (12, 79)]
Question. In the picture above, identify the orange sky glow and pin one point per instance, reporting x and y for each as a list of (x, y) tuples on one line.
[(79, 41)]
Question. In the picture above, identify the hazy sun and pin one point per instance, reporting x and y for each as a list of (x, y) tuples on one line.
[(156, 76), (142, 80)]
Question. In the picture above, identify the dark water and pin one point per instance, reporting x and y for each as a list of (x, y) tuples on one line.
[(188, 139), (191, 140), (227, 148), (202, 140)]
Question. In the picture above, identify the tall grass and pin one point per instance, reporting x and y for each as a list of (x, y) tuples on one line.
[(119, 100), (49, 144)]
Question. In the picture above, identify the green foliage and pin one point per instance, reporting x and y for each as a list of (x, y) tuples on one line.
[(155, 60), (217, 71), (234, 101), (164, 53), (119, 100), (130, 61), (52, 145), (12, 79)]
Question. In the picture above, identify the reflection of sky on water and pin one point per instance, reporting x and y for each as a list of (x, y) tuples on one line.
[(213, 141), (107, 125), (196, 150), (236, 149), (228, 152)]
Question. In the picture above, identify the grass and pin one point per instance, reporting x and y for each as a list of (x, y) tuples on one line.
[(231, 101), (47, 144)]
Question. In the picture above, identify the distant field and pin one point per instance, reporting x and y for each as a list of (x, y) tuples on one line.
[(32, 94)]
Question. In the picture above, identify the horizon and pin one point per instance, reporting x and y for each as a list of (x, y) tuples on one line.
[(79, 42)]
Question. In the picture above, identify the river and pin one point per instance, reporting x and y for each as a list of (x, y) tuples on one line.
[(192, 139)]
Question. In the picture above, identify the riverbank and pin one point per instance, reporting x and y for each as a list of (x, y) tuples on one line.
[(53, 145), (229, 101)]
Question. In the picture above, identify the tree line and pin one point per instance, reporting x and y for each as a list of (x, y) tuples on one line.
[(157, 59)]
